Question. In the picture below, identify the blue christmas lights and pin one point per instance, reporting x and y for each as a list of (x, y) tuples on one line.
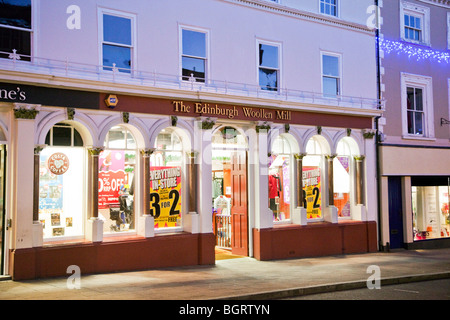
[(414, 51)]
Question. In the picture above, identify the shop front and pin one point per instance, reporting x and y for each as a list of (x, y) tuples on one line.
[(148, 182), (416, 215)]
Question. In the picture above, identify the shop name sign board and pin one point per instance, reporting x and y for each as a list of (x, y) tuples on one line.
[(231, 112), (12, 94)]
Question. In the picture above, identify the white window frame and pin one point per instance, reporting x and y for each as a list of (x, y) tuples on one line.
[(32, 31), (426, 84), (133, 46), (273, 44), (338, 9), (448, 30), (207, 48), (339, 56), (417, 11)]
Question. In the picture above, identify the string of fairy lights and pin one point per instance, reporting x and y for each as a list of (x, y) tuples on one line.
[(413, 51)]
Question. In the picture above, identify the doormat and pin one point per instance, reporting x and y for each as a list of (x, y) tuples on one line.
[(222, 254)]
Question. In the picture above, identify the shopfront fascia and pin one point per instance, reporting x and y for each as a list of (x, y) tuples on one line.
[(152, 121)]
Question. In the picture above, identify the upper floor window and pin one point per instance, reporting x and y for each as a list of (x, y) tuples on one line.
[(117, 42), (329, 7), (448, 30), (193, 55), (331, 74), (269, 66), (417, 106), (415, 23), (15, 28)]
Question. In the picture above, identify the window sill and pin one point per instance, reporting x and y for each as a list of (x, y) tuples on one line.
[(421, 138)]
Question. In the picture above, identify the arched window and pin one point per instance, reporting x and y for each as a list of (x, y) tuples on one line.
[(166, 179), (280, 178), (342, 171), (62, 183), (312, 178), (117, 164)]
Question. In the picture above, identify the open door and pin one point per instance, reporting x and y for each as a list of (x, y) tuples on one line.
[(239, 215)]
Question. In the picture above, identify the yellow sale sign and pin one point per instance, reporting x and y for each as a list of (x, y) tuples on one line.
[(311, 192), (165, 196)]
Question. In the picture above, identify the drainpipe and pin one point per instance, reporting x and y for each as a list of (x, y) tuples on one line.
[(377, 136)]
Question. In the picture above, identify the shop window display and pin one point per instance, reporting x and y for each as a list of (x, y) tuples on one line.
[(341, 179), (61, 183), (312, 179), (166, 164), (280, 179), (117, 165), (431, 218)]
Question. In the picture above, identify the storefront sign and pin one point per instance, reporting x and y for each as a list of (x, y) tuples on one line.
[(15, 94), (58, 163), (231, 112), (311, 192), (111, 101), (111, 177), (165, 200)]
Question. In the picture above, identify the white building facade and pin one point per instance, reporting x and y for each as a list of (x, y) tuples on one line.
[(143, 134)]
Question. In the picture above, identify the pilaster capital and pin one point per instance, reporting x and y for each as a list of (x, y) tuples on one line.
[(360, 158), (147, 152), (95, 151), (26, 111), (38, 148), (299, 156)]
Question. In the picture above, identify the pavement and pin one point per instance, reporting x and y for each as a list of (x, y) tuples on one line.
[(241, 278)]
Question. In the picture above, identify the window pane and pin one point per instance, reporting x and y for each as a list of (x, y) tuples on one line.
[(268, 56), (131, 143), (330, 86), (419, 100), (412, 21), (60, 205), (406, 20), (16, 13), (330, 65), (77, 140), (116, 139), (15, 39), (62, 136), (410, 117), (410, 98), (119, 55), (116, 29), (194, 67), (418, 23), (418, 123), (268, 79), (194, 43)]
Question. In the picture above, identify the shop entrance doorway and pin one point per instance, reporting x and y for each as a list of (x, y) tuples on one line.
[(229, 192)]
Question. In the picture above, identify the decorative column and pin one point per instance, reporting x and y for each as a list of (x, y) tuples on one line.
[(95, 225), (263, 214), (299, 213), (330, 214), (359, 180), (192, 181), (27, 231), (38, 230), (146, 225)]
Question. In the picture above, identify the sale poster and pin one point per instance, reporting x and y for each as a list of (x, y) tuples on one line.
[(165, 196), (311, 192), (111, 177)]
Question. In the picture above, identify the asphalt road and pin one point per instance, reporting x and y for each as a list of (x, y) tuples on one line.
[(424, 290)]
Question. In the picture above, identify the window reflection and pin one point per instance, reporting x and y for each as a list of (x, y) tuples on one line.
[(193, 55), (268, 67)]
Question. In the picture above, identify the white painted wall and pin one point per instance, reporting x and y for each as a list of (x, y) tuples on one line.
[(233, 32)]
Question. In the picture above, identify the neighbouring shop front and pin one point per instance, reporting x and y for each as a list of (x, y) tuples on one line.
[(181, 178)]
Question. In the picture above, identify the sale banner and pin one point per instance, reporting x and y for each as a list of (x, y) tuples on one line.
[(312, 192), (165, 196), (111, 177)]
